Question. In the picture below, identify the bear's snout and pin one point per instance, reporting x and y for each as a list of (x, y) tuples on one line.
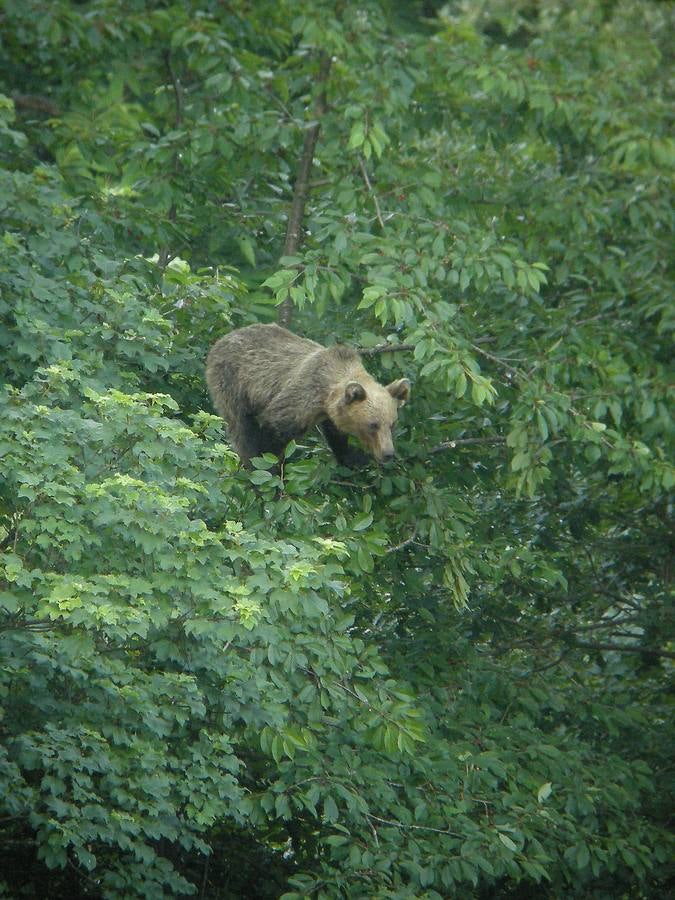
[(380, 444)]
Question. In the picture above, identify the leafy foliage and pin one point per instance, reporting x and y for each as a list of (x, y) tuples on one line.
[(444, 677)]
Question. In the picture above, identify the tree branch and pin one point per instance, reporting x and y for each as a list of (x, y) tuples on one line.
[(405, 543), (549, 665), (405, 827), (301, 187), (177, 89), (514, 373), (450, 445), (648, 651), (372, 193), (385, 348)]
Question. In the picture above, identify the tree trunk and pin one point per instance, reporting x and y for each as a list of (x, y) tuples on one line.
[(301, 187)]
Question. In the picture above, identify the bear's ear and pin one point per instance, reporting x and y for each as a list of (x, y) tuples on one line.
[(400, 390), (353, 392)]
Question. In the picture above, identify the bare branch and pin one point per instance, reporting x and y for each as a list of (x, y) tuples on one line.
[(404, 543), (177, 89), (607, 622), (514, 373), (617, 648), (405, 827), (450, 445), (550, 665), (372, 193), (385, 348)]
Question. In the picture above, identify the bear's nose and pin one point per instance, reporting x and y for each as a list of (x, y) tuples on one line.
[(387, 455)]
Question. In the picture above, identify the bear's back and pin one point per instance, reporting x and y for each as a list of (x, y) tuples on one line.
[(249, 367), (260, 345)]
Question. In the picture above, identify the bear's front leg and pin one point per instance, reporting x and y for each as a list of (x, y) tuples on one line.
[(338, 443), (250, 439)]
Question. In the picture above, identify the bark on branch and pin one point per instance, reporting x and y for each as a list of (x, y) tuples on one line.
[(301, 187)]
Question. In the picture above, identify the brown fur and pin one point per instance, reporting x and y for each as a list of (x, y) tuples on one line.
[(271, 386)]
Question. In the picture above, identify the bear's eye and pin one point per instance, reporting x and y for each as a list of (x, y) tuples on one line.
[(374, 426)]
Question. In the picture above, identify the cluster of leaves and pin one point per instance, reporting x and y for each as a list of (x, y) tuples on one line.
[(444, 677)]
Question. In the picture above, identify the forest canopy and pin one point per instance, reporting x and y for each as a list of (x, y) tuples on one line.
[(444, 677)]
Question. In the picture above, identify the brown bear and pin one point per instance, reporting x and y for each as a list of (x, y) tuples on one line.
[(271, 386)]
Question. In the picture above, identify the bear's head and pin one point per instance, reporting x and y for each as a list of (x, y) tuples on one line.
[(368, 411)]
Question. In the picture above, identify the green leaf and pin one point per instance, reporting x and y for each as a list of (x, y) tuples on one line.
[(357, 136), (507, 842), (460, 385), (330, 810), (362, 522), (544, 792), (247, 250), (261, 476)]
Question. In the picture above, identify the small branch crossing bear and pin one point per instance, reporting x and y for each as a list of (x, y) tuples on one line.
[(272, 386)]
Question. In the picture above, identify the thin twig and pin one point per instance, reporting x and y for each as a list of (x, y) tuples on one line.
[(404, 827), (607, 622), (450, 445), (371, 191), (178, 91), (515, 373), (550, 665), (385, 348), (648, 651), (374, 831), (404, 543)]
